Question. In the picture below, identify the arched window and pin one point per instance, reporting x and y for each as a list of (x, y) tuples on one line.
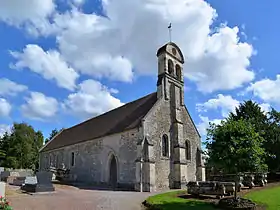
[(178, 72), (188, 150), (165, 146), (170, 67)]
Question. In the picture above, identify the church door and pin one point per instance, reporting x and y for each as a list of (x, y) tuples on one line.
[(113, 173)]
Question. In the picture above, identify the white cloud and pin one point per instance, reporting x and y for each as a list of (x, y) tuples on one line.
[(225, 103), (91, 99), (8, 87), (112, 47), (5, 128), (109, 47), (17, 12), (267, 89), (49, 64), (204, 124), (39, 107), (5, 108), (265, 107)]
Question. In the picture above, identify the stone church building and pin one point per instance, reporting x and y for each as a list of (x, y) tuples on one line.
[(149, 144)]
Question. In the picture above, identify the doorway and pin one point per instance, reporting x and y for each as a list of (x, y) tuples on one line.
[(113, 173)]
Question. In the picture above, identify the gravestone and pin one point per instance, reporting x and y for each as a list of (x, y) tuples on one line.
[(44, 179), (6, 174), (2, 169), (30, 184), (2, 189), (25, 173)]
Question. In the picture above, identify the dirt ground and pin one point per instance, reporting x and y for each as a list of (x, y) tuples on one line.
[(72, 198)]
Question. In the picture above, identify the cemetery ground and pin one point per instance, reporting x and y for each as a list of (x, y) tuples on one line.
[(67, 197), (74, 198), (267, 198)]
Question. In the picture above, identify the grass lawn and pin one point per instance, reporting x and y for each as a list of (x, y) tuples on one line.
[(269, 197), (170, 201)]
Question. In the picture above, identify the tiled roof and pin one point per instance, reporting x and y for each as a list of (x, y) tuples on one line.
[(117, 120)]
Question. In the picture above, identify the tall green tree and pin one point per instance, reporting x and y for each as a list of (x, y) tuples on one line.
[(267, 125), (21, 146), (235, 146), (272, 143)]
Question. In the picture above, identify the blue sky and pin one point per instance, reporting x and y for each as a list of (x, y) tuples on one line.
[(65, 61)]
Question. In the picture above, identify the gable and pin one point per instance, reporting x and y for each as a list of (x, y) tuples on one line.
[(194, 126)]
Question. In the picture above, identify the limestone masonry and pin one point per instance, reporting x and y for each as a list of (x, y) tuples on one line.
[(150, 144)]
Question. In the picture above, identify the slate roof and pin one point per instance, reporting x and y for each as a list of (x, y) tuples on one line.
[(117, 120)]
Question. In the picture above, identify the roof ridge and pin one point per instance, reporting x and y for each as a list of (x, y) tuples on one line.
[(126, 104)]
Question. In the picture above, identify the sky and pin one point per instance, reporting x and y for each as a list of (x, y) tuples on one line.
[(64, 61)]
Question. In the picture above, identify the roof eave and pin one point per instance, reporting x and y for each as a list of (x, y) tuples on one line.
[(44, 146)]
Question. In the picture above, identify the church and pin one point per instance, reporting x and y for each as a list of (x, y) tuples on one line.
[(150, 144)]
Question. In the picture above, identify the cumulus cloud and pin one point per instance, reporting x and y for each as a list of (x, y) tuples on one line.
[(49, 65), (5, 128), (113, 46), (204, 124), (16, 12), (265, 107), (266, 89), (8, 87), (90, 100), (5, 108), (39, 107), (225, 104)]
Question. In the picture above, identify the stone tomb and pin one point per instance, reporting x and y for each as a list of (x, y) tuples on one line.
[(6, 174), (30, 184), (41, 183)]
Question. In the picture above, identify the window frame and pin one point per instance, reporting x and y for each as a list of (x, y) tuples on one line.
[(165, 146), (188, 154), (170, 67), (72, 159)]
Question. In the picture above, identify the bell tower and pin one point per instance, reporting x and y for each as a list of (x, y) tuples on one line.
[(170, 74), (170, 88)]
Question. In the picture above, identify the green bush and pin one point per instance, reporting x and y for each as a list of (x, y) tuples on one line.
[(4, 204)]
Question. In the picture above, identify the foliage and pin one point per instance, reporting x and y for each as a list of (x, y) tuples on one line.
[(53, 134), (267, 125), (268, 197), (4, 204), (21, 147), (172, 201), (234, 146)]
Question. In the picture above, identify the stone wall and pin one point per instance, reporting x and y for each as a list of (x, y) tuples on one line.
[(92, 158), (157, 123), (194, 172)]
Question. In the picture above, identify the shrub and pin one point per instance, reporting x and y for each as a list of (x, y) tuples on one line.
[(4, 204)]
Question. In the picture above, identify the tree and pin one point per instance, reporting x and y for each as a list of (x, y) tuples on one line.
[(21, 146), (235, 146), (267, 125), (251, 112), (53, 134), (272, 143)]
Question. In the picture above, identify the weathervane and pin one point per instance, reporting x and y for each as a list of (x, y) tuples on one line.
[(170, 29)]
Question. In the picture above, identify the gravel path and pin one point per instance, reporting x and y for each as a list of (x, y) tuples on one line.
[(70, 198)]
